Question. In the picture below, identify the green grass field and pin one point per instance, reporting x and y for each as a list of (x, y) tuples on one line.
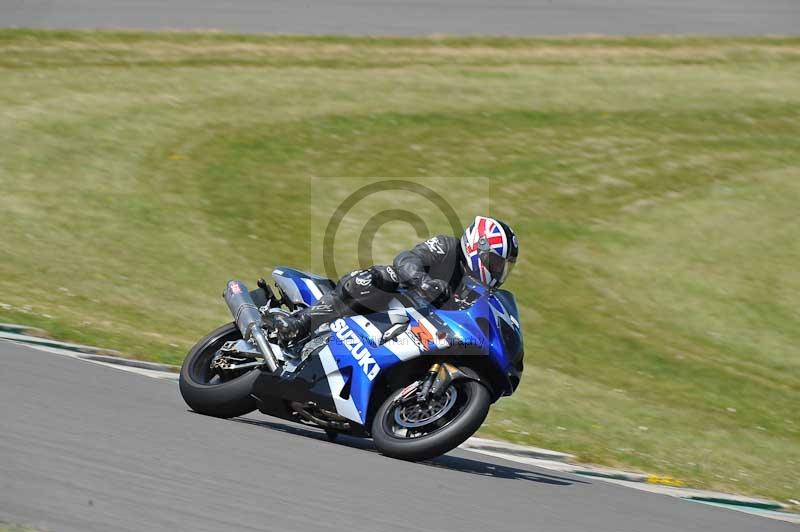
[(5, 527), (654, 184)]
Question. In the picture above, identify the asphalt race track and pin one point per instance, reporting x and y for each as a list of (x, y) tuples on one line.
[(415, 17), (91, 448)]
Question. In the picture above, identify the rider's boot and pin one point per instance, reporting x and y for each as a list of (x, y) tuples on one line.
[(292, 327), (296, 326)]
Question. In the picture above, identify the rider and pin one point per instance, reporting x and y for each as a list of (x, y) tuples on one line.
[(487, 251)]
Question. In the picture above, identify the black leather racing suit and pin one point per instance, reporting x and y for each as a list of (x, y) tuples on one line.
[(439, 257), (429, 267)]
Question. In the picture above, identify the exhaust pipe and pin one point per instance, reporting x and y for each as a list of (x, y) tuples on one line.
[(248, 319)]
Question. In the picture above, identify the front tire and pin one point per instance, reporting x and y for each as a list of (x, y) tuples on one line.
[(208, 393), (393, 438)]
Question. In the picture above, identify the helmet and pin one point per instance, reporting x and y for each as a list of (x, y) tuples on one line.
[(490, 250)]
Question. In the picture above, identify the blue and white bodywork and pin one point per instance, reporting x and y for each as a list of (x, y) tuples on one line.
[(303, 289), (349, 372)]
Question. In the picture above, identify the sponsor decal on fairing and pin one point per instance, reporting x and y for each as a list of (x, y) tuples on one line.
[(356, 347)]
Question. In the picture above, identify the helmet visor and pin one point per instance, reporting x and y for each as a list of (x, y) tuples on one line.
[(498, 267)]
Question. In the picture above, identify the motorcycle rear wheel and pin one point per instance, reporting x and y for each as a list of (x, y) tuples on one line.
[(434, 428), (211, 393)]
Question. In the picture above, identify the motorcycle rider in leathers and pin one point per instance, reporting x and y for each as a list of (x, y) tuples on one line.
[(487, 251)]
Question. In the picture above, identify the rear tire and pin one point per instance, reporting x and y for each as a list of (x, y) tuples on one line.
[(226, 399), (441, 440)]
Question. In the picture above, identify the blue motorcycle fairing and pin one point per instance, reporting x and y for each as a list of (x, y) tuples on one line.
[(481, 328), (356, 349), (358, 354), (302, 288)]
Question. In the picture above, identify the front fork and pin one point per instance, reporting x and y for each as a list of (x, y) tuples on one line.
[(434, 384)]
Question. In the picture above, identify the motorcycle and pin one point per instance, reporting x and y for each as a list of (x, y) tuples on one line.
[(417, 378)]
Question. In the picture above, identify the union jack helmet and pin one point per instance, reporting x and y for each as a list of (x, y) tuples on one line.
[(490, 250)]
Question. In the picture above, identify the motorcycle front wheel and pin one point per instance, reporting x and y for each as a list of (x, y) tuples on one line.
[(418, 431), (218, 393)]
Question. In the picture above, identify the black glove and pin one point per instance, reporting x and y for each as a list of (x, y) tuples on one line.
[(435, 290)]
